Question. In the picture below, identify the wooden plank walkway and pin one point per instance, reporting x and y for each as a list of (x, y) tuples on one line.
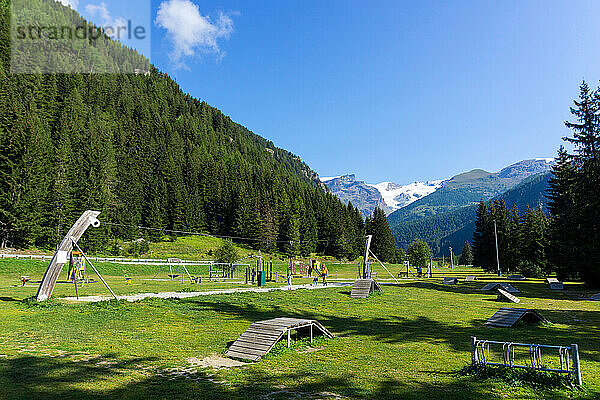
[(505, 296), (261, 336), (506, 286), (362, 288), (508, 317)]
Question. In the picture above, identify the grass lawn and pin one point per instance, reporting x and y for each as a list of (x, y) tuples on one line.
[(409, 342)]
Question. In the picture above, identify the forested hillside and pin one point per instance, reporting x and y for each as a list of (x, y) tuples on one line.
[(451, 229), (143, 152)]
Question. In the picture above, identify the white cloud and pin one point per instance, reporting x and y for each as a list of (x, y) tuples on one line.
[(189, 31), (115, 27), (70, 3)]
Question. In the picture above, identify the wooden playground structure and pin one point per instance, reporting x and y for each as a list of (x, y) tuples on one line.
[(261, 336)]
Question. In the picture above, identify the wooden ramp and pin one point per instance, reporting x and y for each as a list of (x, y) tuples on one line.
[(261, 336), (450, 281), (555, 284), (362, 288), (470, 278), (505, 296), (506, 286), (508, 317)]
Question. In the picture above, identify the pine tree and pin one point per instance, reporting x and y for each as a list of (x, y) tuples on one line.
[(562, 205), (466, 256), (482, 245), (383, 242)]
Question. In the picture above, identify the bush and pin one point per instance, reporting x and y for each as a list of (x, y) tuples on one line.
[(530, 270), (227, 253)]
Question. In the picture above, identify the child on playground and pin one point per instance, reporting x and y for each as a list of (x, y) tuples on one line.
[(324, 274)]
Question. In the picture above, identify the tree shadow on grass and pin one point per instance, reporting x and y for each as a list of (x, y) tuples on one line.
[(33, 377), (419, 328)]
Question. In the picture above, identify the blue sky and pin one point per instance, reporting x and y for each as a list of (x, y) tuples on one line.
[(389, 90)]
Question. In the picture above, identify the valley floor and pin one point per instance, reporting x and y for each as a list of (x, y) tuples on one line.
[(410, 342)]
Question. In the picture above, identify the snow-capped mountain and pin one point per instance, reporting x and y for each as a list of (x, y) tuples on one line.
[(363, 196), (391, 196), (397, 196)]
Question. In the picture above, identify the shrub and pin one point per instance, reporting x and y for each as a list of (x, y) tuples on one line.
[(227, 253), (530, 270)]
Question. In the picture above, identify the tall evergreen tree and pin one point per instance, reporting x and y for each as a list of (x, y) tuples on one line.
[(466, 256), (383, 243)]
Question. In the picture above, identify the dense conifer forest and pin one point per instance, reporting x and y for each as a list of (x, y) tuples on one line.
[(143, 152), (566, 242)]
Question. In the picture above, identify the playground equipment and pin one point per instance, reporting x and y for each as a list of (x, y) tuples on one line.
[(180, 270), (503, 295), (555, 284), (508, 317), (366, 283), (450, 281), (506, 286), (87, 219), (517, 278), (76, 271), (362, 288), (261, 336), (418, 272), (568, 356), (262, 273)]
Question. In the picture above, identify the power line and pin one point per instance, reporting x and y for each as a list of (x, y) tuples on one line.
[(213, 236)]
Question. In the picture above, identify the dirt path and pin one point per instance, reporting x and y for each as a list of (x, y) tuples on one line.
[(184, 295)]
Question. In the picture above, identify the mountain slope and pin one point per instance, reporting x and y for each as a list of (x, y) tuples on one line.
[(143, 152), (397, 196), (468, 188), (451, 229), (363, 196)]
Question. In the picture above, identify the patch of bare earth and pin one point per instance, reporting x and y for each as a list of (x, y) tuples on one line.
[(214, 361)]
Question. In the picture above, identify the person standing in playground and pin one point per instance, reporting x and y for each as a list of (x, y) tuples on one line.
[(324, 274)]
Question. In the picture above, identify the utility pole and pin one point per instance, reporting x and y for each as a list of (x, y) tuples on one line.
[(451, 259), (497, 254)]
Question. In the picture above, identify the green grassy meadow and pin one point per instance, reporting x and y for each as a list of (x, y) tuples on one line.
[(409, 342)]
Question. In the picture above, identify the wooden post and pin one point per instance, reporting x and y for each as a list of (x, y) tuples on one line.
[(576, 365), (311, 333), (289, 338), (473, 349), (366, 257)]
